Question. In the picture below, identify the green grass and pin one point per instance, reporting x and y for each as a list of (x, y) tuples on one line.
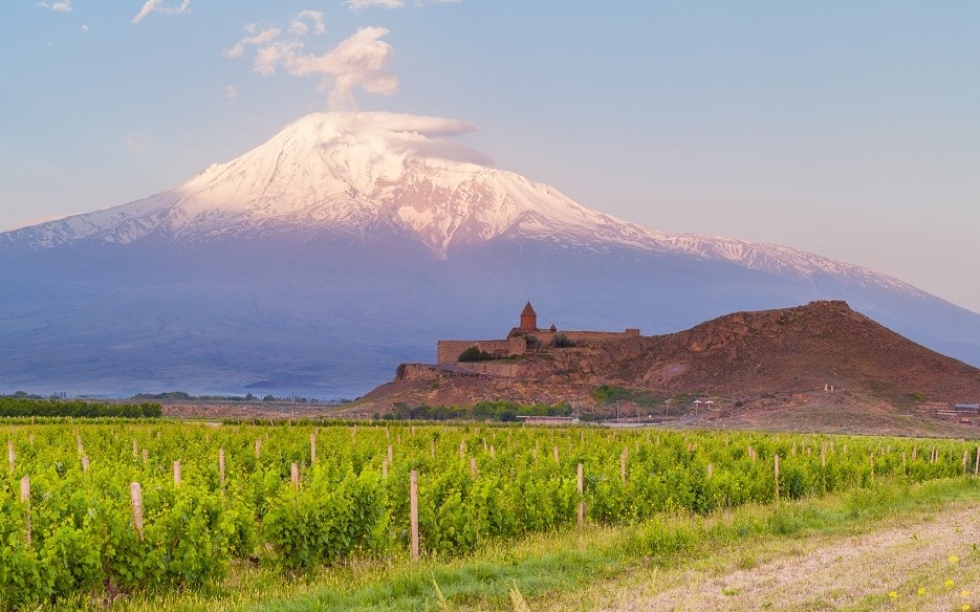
[(565, 570)]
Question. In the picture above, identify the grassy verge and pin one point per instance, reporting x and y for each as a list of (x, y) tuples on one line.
[(568, 570)]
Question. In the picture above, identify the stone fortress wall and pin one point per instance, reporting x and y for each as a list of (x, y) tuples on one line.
[(448, 351)]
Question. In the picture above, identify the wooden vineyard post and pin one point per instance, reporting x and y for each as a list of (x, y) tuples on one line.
[(581, 495), (391, 455), (221, 466), (258, 448), (25, 498), (711, 470), (414, 512), (312, 448), (462, 449), (81, 449), (556, 455), (294, 474), (433, 448), (177, 473), (136, 497), (146, 457), (915, 451), (776, 473), (872, 466), (84, 463), (473, 468), (11, 457), (136, 450), (976, 466), (493, 453)]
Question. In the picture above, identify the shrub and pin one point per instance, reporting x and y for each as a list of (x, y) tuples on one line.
[(474, 354)]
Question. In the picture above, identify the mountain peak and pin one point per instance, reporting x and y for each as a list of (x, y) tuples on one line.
[(370, 176)]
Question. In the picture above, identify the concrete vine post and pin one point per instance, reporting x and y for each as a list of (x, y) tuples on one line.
[(25, 498), (221, 467), (136, 498), (776, 474), (622, 464), (414, 512)]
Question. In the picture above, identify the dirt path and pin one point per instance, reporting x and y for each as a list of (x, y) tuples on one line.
[(849, 573)]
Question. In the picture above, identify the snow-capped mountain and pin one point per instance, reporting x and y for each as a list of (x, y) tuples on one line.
[(361, 214), (351, 173)]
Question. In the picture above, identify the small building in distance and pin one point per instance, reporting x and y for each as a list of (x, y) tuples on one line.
[(525, 335)]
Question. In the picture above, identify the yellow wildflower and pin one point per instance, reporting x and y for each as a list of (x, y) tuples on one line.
[(922, 590), (893, 595), (949, 584), (953, 559)]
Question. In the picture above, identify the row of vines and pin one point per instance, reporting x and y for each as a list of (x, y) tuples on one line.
[(297, 497)]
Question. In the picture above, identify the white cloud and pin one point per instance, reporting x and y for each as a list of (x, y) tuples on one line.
[(63, 6), (358, 5), (231, 92), (136, 142), (162, 6), (359, 62), (266, 36), (84, 28), (300, 27)]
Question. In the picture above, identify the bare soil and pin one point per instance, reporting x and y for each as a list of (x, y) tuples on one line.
[(836, 573)]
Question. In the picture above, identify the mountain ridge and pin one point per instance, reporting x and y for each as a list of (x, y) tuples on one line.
[(347, 241)]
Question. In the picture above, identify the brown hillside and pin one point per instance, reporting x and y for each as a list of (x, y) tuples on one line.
[(743, 356)]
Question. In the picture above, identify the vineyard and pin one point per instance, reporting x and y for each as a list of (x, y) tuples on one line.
[(113, 508)]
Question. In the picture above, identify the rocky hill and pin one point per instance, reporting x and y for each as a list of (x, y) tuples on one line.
[(748, 358)]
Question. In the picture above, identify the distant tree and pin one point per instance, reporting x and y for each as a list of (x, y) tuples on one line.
[(269, 398)]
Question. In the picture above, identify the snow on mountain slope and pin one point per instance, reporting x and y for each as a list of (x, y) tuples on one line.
[(353, 173)]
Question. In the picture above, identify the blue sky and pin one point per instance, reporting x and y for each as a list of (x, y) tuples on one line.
[(848, 129)]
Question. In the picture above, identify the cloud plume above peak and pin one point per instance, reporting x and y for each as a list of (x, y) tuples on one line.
[(359, 62)]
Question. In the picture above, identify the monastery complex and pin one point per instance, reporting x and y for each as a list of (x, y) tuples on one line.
[(524, 336)]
